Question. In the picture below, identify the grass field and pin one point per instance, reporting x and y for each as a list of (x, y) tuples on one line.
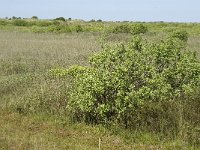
[(33, 103)]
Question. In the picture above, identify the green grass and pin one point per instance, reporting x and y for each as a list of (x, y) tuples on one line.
[(46, 132), (33, 111)]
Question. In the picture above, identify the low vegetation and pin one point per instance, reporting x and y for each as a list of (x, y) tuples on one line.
[(145, 87), (136, 87), (132, 29), (37, 25)]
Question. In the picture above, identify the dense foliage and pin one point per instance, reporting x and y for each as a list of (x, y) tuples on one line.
[(60, 19), (19, 22), (180, 34), (128, 28), (127, 82)]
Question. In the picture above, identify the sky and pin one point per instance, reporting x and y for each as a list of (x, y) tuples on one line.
[(107, 10)]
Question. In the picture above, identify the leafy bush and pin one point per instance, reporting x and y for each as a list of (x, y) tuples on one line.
[(58, 28), (125, 81), (99, 20), (55, 22), (37, 29), (19, 22), (138, 28), (78, 28), (123, 28), (180, 34), (44, 23), (3, 22), (13, 17), (64, 28), (128, 28), (60, 19), (34, 17)]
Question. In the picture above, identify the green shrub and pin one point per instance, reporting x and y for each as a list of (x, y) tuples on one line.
[(123, 28), (13, 17), (60, 19), (19, 22), (44, 23), (78, 28), (37, 29), (99, 20), (58, 29), (55, 22), (3, 22), (34, 17), (180, 34), (125, 82), (138, 28), (128, 28)]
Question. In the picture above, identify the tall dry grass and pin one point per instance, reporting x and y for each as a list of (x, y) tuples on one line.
[(25, 59)]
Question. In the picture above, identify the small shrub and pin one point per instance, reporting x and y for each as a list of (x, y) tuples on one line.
[(99, 20), (138, 28), (181, 34), (78, 28), (13, 17), (19, 22), (44, 23), (55, 22), (3, 22), (128, 28), (37, 29), (60, 19), (123, 28), (34, 17)]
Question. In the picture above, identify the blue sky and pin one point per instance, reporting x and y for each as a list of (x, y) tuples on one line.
[(114, 10)]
